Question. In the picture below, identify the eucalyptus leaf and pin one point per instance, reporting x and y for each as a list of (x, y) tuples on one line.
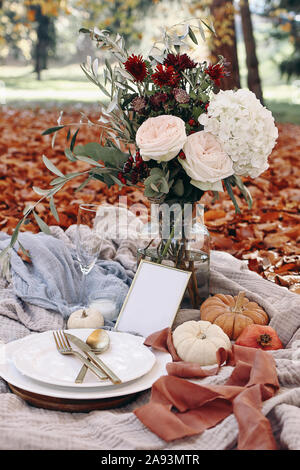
[(69, 154), (43, 226), (73, 140), (164, 187), (201, 31), (52, 129), (95, 67), (104, 178), (15, 233), (154, 187), (52, 167), (148, 192), (192, 36), (210, 27), (116, 180), (244, 190), (83, 184), (89, 76), (89, 160), (232, 197), (112, 105), (53, 208), (58, 180), (109, 155), (40, 191), (5, 263)]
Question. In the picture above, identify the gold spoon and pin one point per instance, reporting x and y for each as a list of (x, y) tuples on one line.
[(99, 341)]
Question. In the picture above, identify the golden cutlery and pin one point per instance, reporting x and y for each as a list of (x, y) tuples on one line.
[(63, 346), (88, 351)]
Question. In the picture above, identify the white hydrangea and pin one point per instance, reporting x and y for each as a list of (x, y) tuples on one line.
[(246, 129)]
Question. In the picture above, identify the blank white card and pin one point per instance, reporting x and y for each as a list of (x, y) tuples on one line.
[(153, 299)]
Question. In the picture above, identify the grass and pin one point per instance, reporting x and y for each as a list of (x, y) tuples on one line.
[(67, 85), (63, 85)]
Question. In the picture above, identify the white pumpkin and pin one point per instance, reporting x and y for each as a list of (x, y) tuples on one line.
[(85, 318), (198, 341)]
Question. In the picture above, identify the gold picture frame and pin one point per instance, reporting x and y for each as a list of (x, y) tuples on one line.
[(154, 287)]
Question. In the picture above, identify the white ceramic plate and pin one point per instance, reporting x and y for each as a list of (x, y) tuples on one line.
[(9, 373), (36, 357)]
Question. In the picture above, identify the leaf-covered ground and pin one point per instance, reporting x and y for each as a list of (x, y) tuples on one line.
[(268, 235)]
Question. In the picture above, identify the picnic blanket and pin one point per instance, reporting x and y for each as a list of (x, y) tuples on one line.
[(25, 427)]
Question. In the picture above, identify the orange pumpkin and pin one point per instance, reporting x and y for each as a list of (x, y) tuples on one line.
[(259, 336), (232, 314)]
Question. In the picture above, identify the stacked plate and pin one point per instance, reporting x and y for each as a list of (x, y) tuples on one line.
[(37, 372)]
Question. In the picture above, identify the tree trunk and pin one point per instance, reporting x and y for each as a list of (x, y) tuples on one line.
[(38, 66), (45, 32), (225, 42), (254, 83)]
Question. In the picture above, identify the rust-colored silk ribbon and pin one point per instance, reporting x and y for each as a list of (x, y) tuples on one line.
[(179, 408)]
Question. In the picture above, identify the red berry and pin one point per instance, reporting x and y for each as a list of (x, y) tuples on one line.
[(139, 165), (127, 167), (192, 122), (182, 155), (130, 159), (121, 177)]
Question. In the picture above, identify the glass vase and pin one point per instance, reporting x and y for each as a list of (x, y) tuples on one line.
[(178, 238)]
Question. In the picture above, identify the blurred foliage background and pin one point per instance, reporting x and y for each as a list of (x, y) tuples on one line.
[(41, 48)]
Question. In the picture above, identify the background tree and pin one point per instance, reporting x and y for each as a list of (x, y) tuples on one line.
[(45, 37), (285, 16), (34, 21), (253, 78), (221, 15), (31, 22)]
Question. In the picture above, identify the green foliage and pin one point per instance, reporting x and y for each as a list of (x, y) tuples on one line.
[(157, 184), (118, 16), (108, 155)]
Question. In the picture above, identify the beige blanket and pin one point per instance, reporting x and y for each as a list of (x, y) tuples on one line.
[(25, 427)]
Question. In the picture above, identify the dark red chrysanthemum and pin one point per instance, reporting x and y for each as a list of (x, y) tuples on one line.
[(180, 62), (136, 66), (216, 72), (165, 76)]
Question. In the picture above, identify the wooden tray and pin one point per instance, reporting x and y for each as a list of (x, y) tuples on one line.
[(71, 405)]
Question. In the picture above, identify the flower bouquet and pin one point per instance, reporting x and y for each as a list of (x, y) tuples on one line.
[(166, 131)]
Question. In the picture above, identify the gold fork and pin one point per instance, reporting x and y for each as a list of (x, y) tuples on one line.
[(64, 347)]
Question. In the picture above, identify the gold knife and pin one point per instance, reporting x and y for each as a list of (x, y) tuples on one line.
[(88, 351)]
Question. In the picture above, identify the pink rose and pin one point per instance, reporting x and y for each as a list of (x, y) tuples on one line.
[(206, 162), (161, 138)]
